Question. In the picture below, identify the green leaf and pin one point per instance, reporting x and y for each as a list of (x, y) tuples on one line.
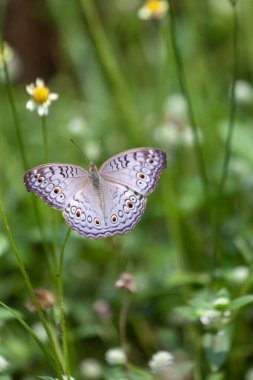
[(6, 315), (216, 348), (241, 301)]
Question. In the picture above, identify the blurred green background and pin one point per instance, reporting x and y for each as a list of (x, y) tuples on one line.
[(119, 84)]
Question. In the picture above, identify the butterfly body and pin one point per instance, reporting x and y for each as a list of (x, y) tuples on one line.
[(100, 202)]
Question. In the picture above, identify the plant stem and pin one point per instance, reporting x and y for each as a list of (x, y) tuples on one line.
[(45, 139), (14, 110), (31, 332), (122, 330), (229, 137), (112, 71), (30, 288), (232, 114), (61, 303), (185, 91)]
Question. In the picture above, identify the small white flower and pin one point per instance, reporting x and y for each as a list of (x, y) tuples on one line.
[(243, 92), (91, 369), (161, 361), (41, 97), (115, 356), (153, 9), (3, 244), (249, 374), (209, 317), (240, 273), (39, 330), (77, 125), (12, 61), (4, 364), (176, 107), (221, 302), (6, 54)]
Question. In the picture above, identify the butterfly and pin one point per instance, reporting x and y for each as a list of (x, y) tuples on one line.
[(100, 202)]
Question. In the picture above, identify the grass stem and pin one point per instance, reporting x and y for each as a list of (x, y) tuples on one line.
[(61, 303), (112, 71), (13, 109), (30, 289), (185, 91)]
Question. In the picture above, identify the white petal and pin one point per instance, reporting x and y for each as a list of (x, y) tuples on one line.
[(42, 110), (30, 88), (47, 103), (30, 105), (144, 13), (53, 96), (40, 82)]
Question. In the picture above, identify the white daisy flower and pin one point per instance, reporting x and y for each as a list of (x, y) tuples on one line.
[(115, 356), (161, 361), (4, 364), (91, 369), (153, 9), (41, 97), (6, 54)]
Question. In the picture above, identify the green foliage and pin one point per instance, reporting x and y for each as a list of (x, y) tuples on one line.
[(183, 84)]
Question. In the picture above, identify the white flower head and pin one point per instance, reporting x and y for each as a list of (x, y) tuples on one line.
[(6, 54), (41, 97), (39, 330), (209, 317), (4, 364), (243, 92), (161, 361), (115, 356), (10, 57), (91, 369), (221, 302), (249, 374), (153, 9), (176, 107), (240, 273)]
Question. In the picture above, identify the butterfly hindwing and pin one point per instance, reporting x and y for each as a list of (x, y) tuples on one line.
[(117, 211)]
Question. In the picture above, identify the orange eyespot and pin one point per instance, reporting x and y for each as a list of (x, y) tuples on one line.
[(78, 213), (97, 222), (141, 175), (41, 179), (129, 204), (57, 190), (114, 218)]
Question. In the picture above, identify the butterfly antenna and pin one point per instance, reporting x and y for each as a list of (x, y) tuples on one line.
[(80, 150), (97, 148)]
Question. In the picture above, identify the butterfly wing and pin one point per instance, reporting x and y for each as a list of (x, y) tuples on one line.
[(138, 169), (110, 205), (56, 183), (110, 210)]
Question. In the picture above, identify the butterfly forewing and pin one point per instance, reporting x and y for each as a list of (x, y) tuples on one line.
[(56, 183), (138, 169)]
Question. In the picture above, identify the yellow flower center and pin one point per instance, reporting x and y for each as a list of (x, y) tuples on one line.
[(153, 6), (40, 94)]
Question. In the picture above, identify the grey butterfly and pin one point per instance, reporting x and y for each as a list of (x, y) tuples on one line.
[(100, 202)]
